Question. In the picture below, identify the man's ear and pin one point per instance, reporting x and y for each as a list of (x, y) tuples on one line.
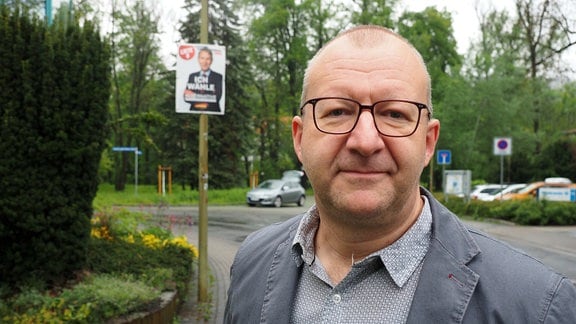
[(432, 134), (297, 136)]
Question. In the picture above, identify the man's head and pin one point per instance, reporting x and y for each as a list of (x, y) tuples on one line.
[(205, 58), (361, 175)]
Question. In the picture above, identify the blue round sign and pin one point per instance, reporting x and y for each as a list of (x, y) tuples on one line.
[(502, 144)]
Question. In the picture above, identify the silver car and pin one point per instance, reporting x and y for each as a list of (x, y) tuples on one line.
[(277, 193)]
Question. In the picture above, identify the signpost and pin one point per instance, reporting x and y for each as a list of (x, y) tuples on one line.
[(136, 153), (443, 158), (502, 147), (200, 75)]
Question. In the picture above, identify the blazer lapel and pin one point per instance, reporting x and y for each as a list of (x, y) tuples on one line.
[(446, 283), (281, 284), (444, 289)]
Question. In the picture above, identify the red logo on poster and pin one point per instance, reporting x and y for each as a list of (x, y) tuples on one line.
[(186, 52)]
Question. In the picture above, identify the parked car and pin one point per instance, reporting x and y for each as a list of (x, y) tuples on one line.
[(510, 188), (481, 191), (277, 192), (532, 190)]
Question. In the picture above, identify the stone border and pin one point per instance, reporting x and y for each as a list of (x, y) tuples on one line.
[(165, 312)]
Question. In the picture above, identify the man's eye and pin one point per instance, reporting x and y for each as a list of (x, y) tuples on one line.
[(395, 114), (336, 112)]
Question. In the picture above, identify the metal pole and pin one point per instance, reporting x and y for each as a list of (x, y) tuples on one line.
[(136, 171), (203, 182), (501, 171)]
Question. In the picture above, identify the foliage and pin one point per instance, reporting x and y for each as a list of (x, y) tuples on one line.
[(98, 298), (54, 89), (127, 269), (138, 87), (372, 12), (509, 85), (431, 33), (526, 212)]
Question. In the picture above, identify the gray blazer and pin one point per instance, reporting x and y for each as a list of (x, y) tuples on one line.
[(467, 277)]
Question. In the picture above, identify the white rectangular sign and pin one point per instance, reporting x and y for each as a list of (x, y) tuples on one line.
[(555, 194), (200, 79), (457, 182)]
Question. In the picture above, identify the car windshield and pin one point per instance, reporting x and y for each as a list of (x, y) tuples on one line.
[(270, 184), (529, 188)]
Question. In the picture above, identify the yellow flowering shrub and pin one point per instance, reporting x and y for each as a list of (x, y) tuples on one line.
[(183, 242)]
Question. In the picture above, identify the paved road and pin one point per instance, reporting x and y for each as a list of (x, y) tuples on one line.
[(229, 225)]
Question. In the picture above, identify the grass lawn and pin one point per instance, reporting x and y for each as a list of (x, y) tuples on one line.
[(107, 196)]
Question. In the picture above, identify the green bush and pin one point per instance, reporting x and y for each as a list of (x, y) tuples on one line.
[(128, 266), (559, 213), (54, 92), (524, 212), (95, 300)]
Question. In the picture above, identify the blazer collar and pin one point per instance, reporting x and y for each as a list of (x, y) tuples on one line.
[(446, 283)]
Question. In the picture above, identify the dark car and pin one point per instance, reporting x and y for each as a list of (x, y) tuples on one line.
[(277, 192)]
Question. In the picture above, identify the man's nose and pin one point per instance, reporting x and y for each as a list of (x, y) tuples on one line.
[(365, 138)]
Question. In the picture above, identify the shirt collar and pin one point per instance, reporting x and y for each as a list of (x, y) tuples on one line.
[(401, 258)]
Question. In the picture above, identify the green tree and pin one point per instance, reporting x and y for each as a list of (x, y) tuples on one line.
[(137, 89), (544, 31), (229, 135), (432, 34), (373, 12), (279, 51), (512, 96), (54, 89)]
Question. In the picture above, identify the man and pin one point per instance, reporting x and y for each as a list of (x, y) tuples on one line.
[(204, 88), (377, 248)]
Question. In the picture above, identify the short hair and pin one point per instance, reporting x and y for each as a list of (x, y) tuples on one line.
[(207, 50), (366, 36)]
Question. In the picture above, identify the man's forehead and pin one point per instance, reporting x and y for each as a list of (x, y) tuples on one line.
[(346, 46)]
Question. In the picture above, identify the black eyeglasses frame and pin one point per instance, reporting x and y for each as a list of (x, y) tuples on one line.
[(314, 101)]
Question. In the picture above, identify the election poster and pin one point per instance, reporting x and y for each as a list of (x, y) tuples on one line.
[(200, 79)]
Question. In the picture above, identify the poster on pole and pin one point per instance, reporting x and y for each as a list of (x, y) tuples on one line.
[(200, 79)]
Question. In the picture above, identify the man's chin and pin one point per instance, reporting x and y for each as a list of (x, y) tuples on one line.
[(363, 202)]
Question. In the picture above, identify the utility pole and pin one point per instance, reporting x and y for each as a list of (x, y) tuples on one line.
[(203, 182)]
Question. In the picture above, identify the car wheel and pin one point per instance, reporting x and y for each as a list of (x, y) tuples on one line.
[(302, 200), (278, 202)]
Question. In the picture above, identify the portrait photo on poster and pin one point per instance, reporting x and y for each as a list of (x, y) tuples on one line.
[(200, 79)]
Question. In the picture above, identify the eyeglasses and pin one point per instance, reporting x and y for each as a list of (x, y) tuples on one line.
[(393, 118)]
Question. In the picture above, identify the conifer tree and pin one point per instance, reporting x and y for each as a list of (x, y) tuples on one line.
[(54, 90)]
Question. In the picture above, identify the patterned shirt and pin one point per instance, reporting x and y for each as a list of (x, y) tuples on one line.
[(378, 289)]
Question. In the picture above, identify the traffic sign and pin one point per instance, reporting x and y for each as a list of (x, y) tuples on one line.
[(502, 146), (124, 149), (444, 157)]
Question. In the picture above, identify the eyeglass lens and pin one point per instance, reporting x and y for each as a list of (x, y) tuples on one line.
[(391, 117)]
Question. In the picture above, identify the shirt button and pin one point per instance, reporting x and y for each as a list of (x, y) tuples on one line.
[(336, 299)]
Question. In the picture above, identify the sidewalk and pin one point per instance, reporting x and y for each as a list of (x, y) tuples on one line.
[(220, 256)]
